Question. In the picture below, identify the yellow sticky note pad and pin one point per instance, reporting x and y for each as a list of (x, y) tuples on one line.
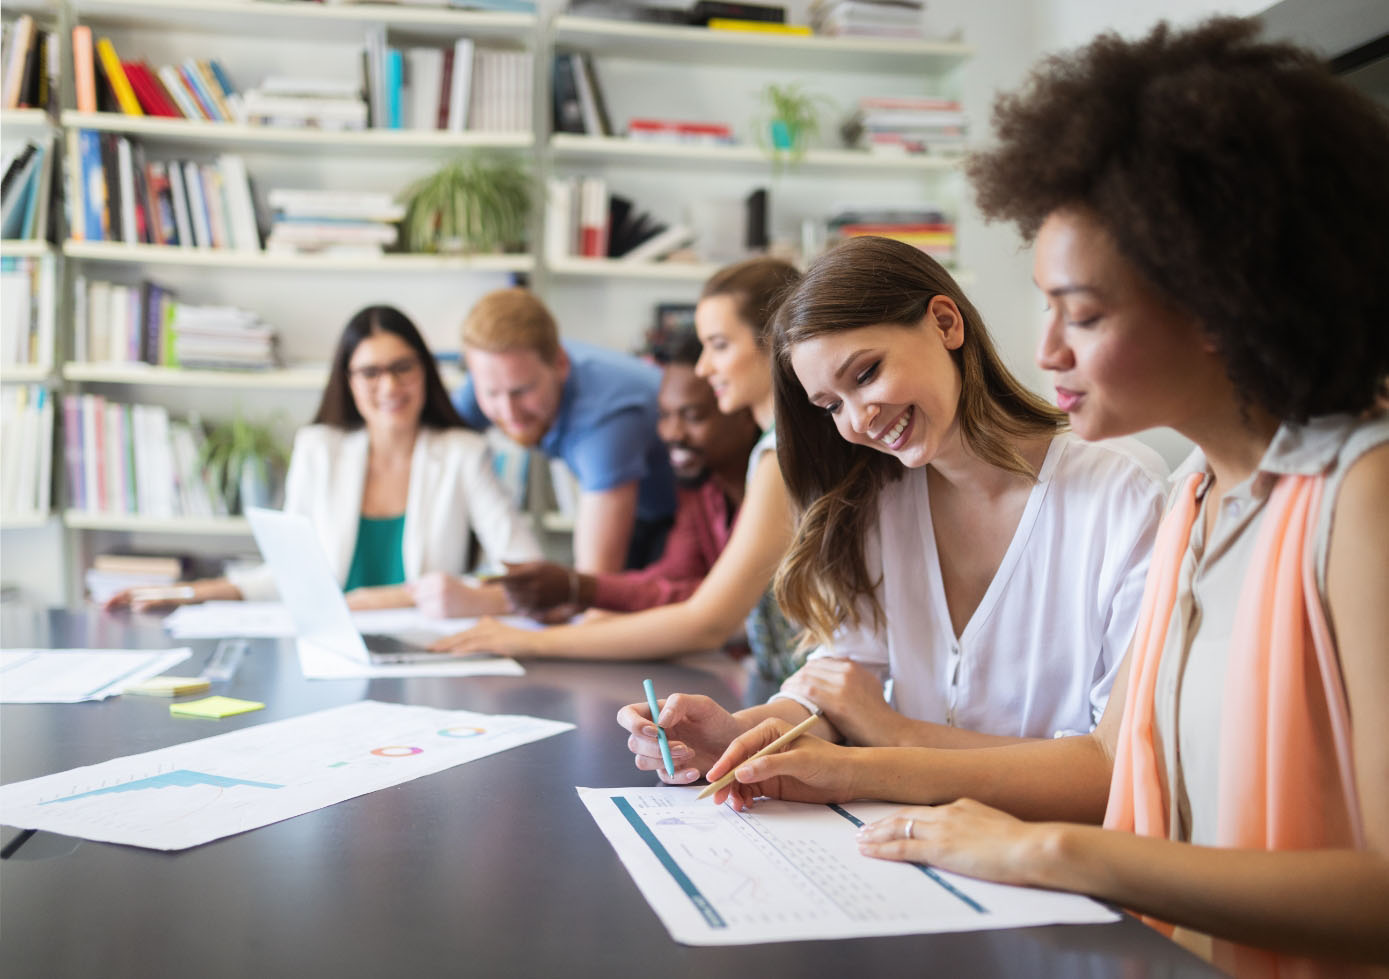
[(214, 707), (170, 686)]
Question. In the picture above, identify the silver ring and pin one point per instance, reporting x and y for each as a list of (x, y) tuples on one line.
[(910, 822)]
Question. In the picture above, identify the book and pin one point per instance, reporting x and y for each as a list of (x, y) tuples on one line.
[(241, 211), (593, 217), (201, 95), (22, 38), (424, 69), (590, 99), (657, 247), (568, 115), (178, 198), (460, 95), (197, 205), (705, 10), (115, 76), (94, 220), (177, 90), (395, 83), (757, 27), (126, 176)]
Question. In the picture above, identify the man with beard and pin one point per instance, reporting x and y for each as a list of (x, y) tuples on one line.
[(593, 408), (709, 454)]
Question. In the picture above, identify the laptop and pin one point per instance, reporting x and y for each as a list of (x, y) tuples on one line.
[(316, 604)]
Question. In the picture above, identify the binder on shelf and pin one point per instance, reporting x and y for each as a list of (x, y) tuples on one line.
[(395, 82), (424, 69), (84, 74)]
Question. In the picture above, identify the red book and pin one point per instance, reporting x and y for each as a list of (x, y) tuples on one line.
[(445, 88), (151, 97)]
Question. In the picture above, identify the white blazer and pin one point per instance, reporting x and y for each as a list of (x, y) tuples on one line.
[(452, 490)]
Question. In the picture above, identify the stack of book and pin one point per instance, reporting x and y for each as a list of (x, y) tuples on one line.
[(111, 573), (681, 132), (222, 338), (198, 89), (29, 59), (26, 190), (27, 290), (146, 324), (134, 459), (315, 103), (26, 449), (925, 228), (867, 18), (909, 125), (117, 195), (333, 222)]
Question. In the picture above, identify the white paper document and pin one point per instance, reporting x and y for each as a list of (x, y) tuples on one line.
[(788, 871), (203, 790), (271, 620), (67, 676)]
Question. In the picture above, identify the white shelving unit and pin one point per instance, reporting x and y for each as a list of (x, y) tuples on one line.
[(310, 292), (570, 147), (154, 256), (698, 45), (232, 136), (134, 523)]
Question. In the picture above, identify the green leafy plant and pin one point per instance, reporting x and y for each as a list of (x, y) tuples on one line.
[(230, 448), (794, 120), (475, 204)]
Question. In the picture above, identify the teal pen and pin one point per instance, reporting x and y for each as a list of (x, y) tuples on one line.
[(660, 732)]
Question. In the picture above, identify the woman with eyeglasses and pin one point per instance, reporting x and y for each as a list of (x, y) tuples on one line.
[(391, 477)]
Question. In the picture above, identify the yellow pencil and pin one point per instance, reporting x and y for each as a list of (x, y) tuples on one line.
[(779, 743)]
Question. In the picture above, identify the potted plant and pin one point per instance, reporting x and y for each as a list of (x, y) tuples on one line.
[(794, 120), (474, 204), (238, 459)]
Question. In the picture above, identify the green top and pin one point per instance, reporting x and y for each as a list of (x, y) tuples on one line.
[(377, 559)]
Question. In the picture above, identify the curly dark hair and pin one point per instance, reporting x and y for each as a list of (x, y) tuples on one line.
[(1245, 182)]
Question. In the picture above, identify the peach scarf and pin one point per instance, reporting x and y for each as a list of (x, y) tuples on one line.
[(1287, 781)]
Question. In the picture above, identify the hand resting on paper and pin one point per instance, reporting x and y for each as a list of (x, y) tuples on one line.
[(809, 769), (965, 837), (697, 728)]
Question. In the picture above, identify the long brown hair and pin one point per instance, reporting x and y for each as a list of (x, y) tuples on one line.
[(337, 407), (834, 484)]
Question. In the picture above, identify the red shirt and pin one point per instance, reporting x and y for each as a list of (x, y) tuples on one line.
[(703, 523)]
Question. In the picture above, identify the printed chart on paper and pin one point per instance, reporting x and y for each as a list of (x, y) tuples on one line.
[(199, 791), (787, 871)]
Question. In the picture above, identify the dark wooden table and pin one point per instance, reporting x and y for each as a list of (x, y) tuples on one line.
[(493, 868)]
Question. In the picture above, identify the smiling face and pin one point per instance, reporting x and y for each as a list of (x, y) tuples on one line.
[(889, 387), (697, 435), (1123, 360), (736, 367), (517, 390), (386, 379)]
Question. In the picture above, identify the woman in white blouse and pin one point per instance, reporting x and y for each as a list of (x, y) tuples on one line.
[(952, 537), (391, 478)]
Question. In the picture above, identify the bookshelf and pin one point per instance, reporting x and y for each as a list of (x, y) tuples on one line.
[(307, 297)]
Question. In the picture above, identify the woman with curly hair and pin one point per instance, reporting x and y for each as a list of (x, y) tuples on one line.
[(952, 537), (1209, 214)]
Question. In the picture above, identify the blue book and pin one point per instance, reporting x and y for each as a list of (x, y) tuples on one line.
[(395, 82), (93, 186), (38, 186), (227, 88), (200, 92)]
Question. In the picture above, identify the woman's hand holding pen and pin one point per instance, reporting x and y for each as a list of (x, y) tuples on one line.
[(697, 728), (965, 837), (851, 698), (810, 769)]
